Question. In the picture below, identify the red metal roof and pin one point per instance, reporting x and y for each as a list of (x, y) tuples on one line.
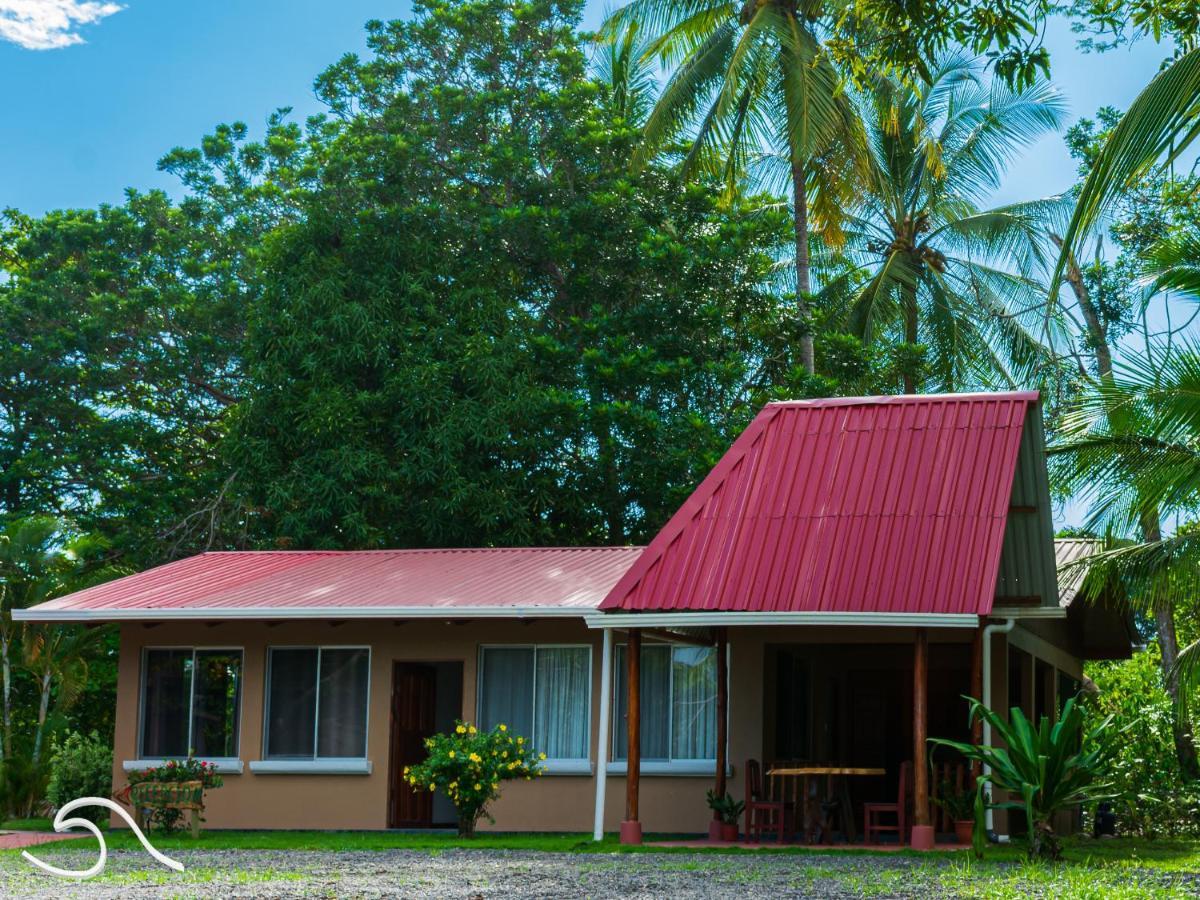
[(355, 582), (879, 504)]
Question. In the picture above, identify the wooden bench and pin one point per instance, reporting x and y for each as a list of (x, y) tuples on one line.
[(181, 795)]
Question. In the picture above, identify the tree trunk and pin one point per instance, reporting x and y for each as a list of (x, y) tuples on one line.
[(6, 664), (803, 275), (909, 302), (466, 825), (1091, 317), (43, 710)]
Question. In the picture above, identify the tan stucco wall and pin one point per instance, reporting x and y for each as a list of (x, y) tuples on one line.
[(554, 802)]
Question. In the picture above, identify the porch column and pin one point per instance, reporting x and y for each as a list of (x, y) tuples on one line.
[(977, 693), (631, 828), (922, 832), (602, 742), (719, 786)]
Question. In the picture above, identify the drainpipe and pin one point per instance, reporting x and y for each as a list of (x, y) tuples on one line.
[(995, 628), (602, 738)]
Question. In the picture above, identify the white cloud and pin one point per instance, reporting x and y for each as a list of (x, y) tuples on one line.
[(49, 24)]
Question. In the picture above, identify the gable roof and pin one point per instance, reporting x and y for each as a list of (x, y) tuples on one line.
[(506, 581), (1071, 577), (875, 504)]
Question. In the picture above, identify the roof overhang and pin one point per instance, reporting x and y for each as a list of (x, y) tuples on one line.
[(717, 618), (276, 613)]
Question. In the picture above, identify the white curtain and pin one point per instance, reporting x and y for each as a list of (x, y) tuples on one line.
[(342, 725), (506, 689), (560, 727), (694, 705), (655, 703)]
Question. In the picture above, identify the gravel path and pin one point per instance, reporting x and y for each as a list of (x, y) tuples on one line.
[(487, 873)]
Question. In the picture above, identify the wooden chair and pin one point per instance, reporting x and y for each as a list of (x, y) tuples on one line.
[(874, 813), (763, 813)]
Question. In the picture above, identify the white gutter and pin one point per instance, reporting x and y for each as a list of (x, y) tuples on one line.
[(602, 737), (1028, 612), (702, 619), (202, 613), (988, 631)]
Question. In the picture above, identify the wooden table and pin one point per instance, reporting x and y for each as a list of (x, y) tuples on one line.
[(801, 795)]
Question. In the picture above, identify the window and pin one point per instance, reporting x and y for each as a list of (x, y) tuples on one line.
[(543, 693), (678, 703), (317, 702), (191, 699)]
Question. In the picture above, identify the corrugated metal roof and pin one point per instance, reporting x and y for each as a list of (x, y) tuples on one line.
[(399, 580), (1071, 550), (879, 504)]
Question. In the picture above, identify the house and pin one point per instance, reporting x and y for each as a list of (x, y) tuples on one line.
[(848, 570)]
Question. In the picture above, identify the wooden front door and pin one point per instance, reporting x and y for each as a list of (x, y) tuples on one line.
[(414, 704)]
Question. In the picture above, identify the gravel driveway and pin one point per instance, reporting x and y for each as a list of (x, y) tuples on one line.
[(521, 874)]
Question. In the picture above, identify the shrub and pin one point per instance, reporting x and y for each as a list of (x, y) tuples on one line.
[(81, 766), (1151, 796), (468, 766), (1044, 767)]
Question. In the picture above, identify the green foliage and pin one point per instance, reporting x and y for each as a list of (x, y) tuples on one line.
[(81, 766), (1151, 798), (727, 809), (1050, 767), (468, 765)]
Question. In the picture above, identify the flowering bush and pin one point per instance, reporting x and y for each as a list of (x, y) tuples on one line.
[(468, 765), (175, 772)]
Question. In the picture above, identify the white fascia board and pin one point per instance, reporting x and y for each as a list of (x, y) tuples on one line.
[(276, 613), (709, 619), (224, 765)]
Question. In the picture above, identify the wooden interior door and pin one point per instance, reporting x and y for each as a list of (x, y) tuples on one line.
[(414, 704)]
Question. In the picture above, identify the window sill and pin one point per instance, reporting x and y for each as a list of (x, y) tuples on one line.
[(223, 765), (691, 768), (569, 767), (310, 766)]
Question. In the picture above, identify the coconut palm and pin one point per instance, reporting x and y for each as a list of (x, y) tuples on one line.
[(932, 266), (751, 79)]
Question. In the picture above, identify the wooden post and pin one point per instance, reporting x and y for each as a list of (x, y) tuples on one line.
[(977, 693), (631, 828), (922, 832), (722, 708), (719, 786)]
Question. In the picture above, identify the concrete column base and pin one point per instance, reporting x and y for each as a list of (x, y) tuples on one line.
[(631, 832), (922, 837)]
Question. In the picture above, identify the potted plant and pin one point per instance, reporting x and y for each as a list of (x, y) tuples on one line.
[(170, 790), (959, 804), (727, 811), (468, 765)]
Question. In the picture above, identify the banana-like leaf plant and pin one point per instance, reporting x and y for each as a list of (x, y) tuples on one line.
[(1049, 768)]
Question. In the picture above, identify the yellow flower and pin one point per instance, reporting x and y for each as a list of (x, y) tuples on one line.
[(461, 729), (453, 785), (477, 785), (503, 727), (433, 787), (504, 755), (520, 740), (452, 754), (475, 757), (471, 730), (541, 756)]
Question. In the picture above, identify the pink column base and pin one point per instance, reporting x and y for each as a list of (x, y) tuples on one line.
[(714, 830), (631, 832), (922, 837)]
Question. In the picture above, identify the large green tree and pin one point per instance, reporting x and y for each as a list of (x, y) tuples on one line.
[(485, 328)]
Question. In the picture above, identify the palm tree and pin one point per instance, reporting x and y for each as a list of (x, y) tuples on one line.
[(931, 266), (751, 79), (57, 657), (1131, 450)]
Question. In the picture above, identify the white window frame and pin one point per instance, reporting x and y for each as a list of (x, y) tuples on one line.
[(314, 765), (224, 764), (562, 766), (670, 765)]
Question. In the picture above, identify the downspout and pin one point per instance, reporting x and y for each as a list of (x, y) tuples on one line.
[(602, 737), (994, 628)]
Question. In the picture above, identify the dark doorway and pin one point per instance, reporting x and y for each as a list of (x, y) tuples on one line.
[(426, 699)]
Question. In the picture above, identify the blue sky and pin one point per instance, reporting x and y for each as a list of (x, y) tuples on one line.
[(84, 121)]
